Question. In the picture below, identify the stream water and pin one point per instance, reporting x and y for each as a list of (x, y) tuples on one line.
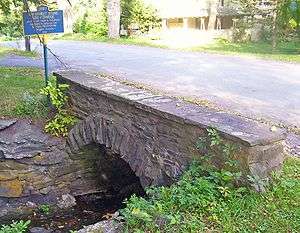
[(88, 211)]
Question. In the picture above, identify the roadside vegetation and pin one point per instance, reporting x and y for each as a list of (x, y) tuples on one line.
[(22, 94), (63, 120), (207, 201), (210, 199), (202, 202)]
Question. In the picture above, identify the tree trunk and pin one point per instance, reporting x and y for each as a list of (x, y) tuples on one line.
[(298, 19), (27, 44), (275, 28), (114, 14), (213, 11), (27, 38)]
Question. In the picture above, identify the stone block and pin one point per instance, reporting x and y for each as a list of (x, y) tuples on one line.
[(11, 188)]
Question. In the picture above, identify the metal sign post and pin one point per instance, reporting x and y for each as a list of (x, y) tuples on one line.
[(46, 59), (42, 22)]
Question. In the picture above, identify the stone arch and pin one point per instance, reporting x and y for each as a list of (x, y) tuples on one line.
[(105, 132)]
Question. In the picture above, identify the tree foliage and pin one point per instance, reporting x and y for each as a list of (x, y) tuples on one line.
[(11, 16), (138, 14), (11, 23), (92, 18), (280, 18), (134, 14), (289, 14), (7, 6)]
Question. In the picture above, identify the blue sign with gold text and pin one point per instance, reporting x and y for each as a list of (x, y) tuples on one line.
[(43, 21)]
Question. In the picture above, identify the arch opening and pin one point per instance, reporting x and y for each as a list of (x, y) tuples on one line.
[(111, 179)]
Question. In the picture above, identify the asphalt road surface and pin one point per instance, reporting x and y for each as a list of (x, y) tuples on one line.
[(253, 87)]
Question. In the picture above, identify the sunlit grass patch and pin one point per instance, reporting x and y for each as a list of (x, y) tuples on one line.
[(4, 51), (19, 92), (285, 51)]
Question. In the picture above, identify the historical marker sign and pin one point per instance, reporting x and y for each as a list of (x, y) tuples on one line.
[(294, 6), (43, 21)]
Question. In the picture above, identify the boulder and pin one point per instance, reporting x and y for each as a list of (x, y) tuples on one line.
[(39, 230), (67, 201), (108, 226)]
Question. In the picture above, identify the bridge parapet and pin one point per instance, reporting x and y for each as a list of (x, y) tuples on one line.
[(155, 134)]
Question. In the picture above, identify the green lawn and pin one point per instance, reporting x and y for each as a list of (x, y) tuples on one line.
[(197, 204), (19, 92), (4, 51), (285, 51)]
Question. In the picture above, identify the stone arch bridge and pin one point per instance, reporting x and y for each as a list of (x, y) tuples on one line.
[(156, 135), (127, 139)]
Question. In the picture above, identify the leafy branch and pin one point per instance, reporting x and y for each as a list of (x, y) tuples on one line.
[(61, 123)]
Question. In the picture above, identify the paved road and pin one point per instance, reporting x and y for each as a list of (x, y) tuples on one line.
[(249, 86)]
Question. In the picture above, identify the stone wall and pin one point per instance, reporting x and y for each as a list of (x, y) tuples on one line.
[(35, 169), (156, 135)]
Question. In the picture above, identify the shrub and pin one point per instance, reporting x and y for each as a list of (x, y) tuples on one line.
[(61, 123), (45, 209), (241, 31), (92, 23), (32, 105), (91, 18)]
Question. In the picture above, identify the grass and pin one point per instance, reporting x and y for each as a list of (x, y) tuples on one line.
[(286, 51), (8, 38), (4, 51), (19, 92)]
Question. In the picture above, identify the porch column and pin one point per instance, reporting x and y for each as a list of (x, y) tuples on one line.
[(234, 22), (202, 24), (219, 23), (185, 23), (164, 25)]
